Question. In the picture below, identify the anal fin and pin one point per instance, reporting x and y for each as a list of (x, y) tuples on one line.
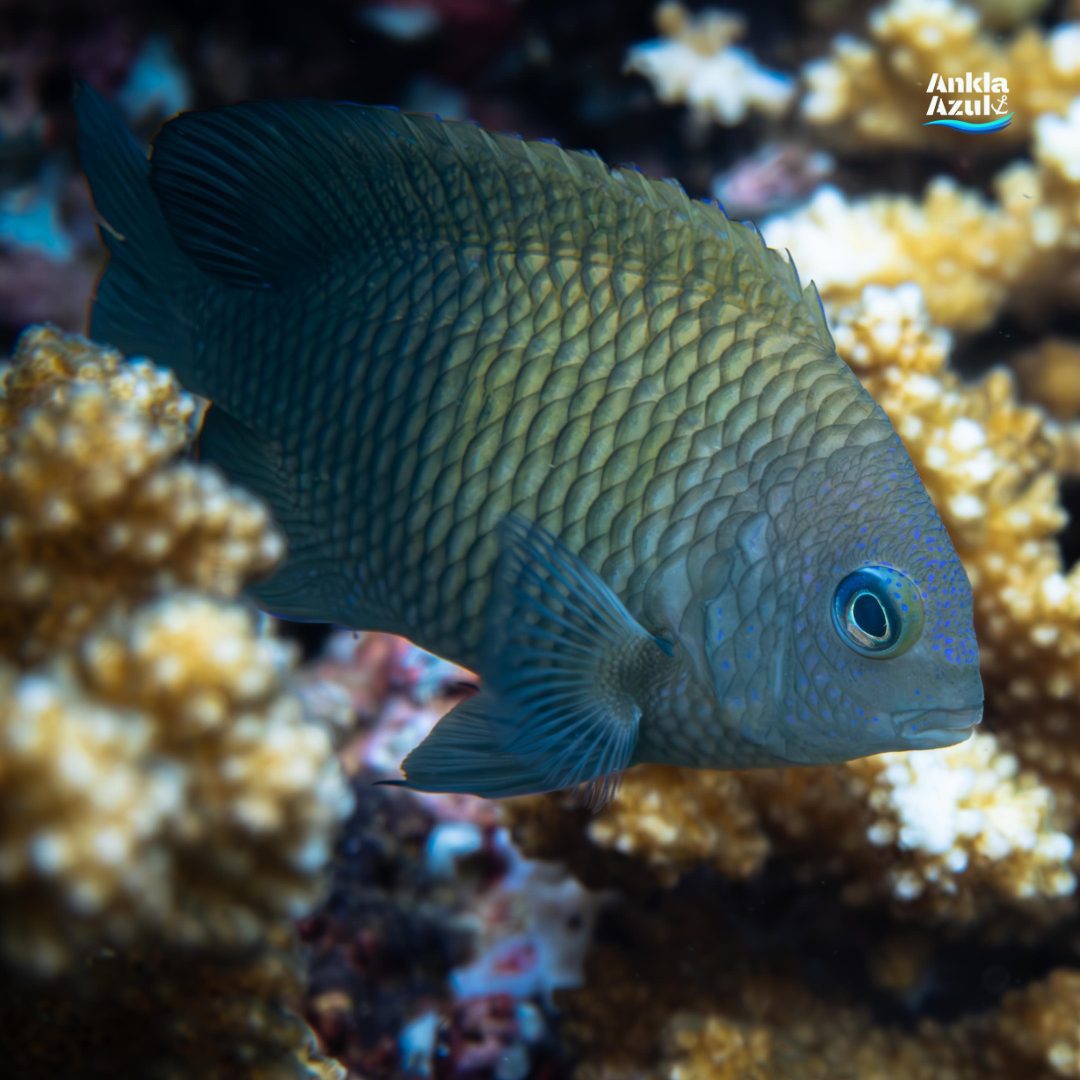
[(463, 754)]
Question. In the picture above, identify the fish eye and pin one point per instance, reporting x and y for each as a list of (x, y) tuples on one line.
[(877, 611)]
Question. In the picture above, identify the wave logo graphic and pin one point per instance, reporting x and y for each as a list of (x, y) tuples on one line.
[(970, 128), (973, 103)]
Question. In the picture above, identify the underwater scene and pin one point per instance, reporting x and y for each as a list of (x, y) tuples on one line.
[(539, 539)]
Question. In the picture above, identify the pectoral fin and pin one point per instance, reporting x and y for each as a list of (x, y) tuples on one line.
[(564, 677)]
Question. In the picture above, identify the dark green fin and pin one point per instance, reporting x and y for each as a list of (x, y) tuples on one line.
[(563, 676), (311, 583), (139, 305), (259, 193), (570, 661), (463, 754), (254, 462)]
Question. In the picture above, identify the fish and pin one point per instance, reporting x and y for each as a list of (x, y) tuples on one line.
[(554, 421)]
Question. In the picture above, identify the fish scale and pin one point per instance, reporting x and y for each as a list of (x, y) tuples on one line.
[(561, 424)]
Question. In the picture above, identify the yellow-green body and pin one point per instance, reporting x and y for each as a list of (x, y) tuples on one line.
[(465, 329)]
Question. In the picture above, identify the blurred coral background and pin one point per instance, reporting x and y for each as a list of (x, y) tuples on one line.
[(198, 875)]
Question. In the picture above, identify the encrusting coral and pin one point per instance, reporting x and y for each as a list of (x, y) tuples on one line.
[(165, 794)]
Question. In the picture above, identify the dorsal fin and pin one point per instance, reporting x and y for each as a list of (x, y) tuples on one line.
[(257, 192)]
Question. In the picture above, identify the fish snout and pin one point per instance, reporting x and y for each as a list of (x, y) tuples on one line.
[(931, 729)]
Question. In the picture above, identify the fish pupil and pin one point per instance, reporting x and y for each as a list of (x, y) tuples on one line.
[(869, 615)]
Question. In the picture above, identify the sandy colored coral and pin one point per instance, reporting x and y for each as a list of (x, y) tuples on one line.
[(95, 511), (163, 782), (972, 256), (956, 834), (167, 798), (1049, 375), (844, 245), (696, 61), (676, 819), (873, 93)]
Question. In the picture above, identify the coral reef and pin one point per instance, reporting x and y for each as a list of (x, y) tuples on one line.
[(167, 790), (96, 511), (871, 94), (173, 788), (167, 801)]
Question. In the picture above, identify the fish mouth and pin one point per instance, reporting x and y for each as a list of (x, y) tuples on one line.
[(931, 729)]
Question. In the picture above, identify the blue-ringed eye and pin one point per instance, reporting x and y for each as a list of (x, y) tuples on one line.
[(877, 611)]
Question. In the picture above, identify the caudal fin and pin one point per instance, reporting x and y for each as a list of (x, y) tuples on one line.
[(139, 306)]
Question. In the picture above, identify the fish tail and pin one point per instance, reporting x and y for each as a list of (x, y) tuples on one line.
[(138, 307)]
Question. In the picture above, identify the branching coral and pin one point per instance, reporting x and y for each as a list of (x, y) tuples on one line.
[(695, 61), (170, 785), (956, 835), (93, 510), (874, 94), (1019, 251), (844, 245), (164, 793)]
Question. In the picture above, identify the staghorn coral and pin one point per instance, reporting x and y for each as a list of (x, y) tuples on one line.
[(167, 800), (873, 94), (95, 513), (695, 61)]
